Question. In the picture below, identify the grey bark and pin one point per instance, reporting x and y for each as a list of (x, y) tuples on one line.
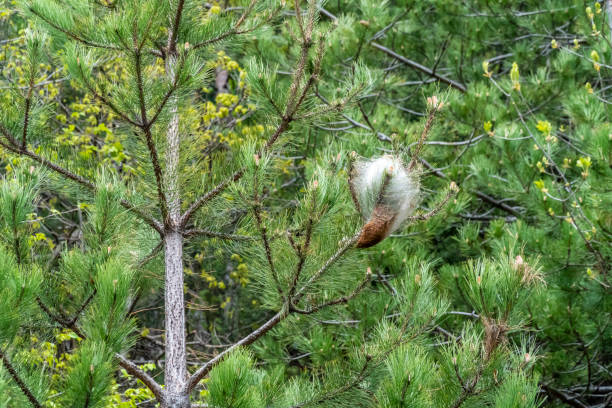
[(176, 358)]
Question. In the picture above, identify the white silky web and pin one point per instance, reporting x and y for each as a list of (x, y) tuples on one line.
[(401, 193)]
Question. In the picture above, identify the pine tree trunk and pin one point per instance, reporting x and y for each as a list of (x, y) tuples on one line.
[(176, 358), (176, 361)]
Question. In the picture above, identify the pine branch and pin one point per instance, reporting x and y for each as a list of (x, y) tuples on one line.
[(424, 134), (80, 310), (603, 265), (351, 174), (293, 105), (422, 217), (72, 35), (302, 250), (347, 244), (14, 147), (196, 205), (62, 321), (107, 101), (22, 385), (151, 254), (497, 203), (214, 234), (469, 388), (236, 29), (381, 136), (338, 301), (249, 339), (129, 366), (264, 236), (134, 370), (277, 318), (163, 205), (149, 220), (28, 106), (171, 45), (332, 394), (162, 105)]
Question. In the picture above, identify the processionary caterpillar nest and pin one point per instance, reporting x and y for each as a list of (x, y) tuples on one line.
[(386, 193)]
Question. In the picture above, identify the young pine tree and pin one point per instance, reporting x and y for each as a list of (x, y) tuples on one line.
[(176, 178)]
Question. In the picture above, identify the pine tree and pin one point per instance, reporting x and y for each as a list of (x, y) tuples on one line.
[(330, 160)]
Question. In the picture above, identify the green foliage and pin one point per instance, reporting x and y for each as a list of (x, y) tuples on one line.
[(409, 378), (234, 382)]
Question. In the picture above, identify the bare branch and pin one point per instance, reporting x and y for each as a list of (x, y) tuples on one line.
[(497, 203), (420, 67), (205, 369), (134, 370), (214, 234)]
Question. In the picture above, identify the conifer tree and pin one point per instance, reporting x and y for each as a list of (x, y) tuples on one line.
[(332, 161)]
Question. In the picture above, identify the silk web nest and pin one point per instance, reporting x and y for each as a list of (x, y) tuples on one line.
[(386, 193)]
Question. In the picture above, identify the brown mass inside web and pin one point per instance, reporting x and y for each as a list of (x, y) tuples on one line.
[(377, 228)]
